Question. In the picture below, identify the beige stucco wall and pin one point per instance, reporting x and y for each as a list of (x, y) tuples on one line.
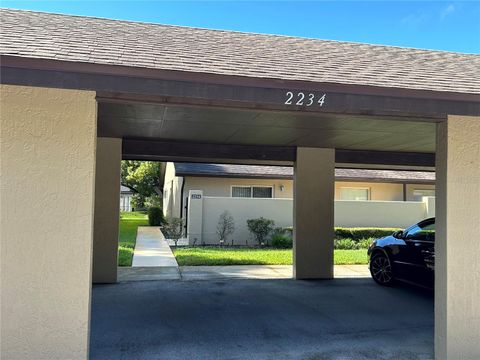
[(46, 200), (171, 192), (389, 214), (457, 244), (222, 186), (242, 209)]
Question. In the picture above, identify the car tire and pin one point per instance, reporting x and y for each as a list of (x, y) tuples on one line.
[(381, 269)]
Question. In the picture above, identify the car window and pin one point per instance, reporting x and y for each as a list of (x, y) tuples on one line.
[(420, 231)]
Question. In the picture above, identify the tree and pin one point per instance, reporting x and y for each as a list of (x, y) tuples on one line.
[(144, 178), (173, 229), (225, 226), (260, 228)]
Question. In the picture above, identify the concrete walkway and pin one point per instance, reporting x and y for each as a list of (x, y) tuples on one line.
[(151, 249), (232, 271)]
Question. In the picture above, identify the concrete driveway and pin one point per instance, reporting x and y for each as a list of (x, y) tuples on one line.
[(261, 319)]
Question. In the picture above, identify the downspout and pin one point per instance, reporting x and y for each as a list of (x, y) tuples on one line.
[(181, 205), (404, 192), (181, 196)]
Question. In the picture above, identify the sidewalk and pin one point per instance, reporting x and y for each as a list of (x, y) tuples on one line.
[(229, 272), (151, 249)]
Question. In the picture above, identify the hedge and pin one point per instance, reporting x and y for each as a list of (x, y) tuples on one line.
[(155, 216), (358, 234)]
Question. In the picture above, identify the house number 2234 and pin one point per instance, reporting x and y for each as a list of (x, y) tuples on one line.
[(303, 99)]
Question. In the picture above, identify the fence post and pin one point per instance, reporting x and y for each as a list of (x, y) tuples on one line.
[(195, 217)]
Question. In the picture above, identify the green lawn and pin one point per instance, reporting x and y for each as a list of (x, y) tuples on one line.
[(129, 221), (217, 256)]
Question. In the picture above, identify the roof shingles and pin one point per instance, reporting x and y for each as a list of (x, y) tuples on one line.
[(286, 172), (163, 47)]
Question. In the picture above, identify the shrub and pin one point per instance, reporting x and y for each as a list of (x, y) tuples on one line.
[(260, 228), (173, 229), (345, 244), (350, 244), (282, 241), (362, 233), (365, 243), (225, 226), (155, 216)]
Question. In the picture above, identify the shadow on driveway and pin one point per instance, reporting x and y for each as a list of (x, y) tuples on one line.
[(261, 319)]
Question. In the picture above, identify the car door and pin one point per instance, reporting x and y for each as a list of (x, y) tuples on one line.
[(420, 251)]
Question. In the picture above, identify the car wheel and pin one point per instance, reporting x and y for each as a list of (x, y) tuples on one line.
[(381, 269)]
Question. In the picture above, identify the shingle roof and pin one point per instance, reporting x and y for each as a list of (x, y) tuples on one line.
[(286, 172), (135, 44)]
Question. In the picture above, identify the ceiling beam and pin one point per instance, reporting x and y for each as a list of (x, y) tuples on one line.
[(137, 149)]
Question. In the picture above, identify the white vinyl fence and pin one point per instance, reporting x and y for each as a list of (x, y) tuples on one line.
[(204, 213)]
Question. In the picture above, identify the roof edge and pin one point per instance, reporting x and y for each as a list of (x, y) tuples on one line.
[(22, 62)]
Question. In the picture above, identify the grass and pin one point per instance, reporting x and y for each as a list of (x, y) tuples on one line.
[(212, 256), (129, 222)]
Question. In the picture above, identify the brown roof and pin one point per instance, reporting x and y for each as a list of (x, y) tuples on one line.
[(286, 172), (135, 44)]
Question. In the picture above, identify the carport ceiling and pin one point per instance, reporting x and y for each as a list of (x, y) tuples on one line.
[(205, 124)]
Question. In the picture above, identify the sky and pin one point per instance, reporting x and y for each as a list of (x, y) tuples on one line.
[(439, 25)]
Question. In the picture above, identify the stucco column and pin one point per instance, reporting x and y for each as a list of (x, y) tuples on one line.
[(107, 210), (313, 204), (47, 148), (457, 243)]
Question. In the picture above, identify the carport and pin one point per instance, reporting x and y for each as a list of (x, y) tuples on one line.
[(79, 94)]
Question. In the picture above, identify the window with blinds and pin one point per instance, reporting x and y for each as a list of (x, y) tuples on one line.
[(242, 191), (261, 192)]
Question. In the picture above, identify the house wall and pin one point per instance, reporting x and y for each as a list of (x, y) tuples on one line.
[(378, 191), (412, 187), (47, 148), (172, 189), (222, 187)]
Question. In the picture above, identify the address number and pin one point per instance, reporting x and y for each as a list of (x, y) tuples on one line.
[(304, 99)]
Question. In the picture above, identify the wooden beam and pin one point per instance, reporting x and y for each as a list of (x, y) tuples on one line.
[(137, 149)]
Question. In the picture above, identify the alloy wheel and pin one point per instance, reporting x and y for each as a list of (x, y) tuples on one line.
[(381, 269)]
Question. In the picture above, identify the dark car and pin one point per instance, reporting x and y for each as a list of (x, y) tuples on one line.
[(407, 255)]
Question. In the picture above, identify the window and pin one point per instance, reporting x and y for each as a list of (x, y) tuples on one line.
[(358, 194), (241, 191), (262, 192), (422, 231), (418, 194)]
